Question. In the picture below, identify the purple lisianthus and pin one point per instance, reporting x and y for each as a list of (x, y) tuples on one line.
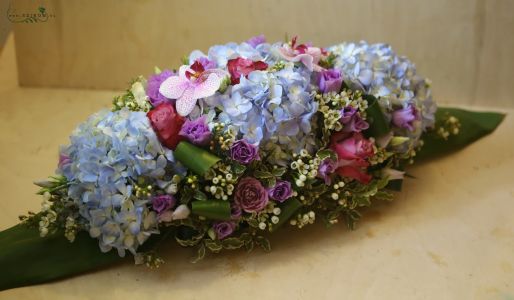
[(329, 80), (250, 195), (352, 120), (197, 131), (326, 168), (244, 152), (256, 40), (224, 229), (163, 203), (405, 117), (235, 211), (154, 83), (281, 191)]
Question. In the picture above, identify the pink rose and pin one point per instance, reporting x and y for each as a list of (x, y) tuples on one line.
[(238, 67), (352, 150)]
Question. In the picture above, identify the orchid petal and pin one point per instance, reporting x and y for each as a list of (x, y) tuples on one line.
[(174, 87), (208, 87), (186, 103)]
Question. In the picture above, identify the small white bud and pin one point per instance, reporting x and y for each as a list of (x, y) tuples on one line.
[(262, 225)]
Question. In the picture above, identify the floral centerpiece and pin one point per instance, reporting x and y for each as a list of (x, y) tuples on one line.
[(234, 144)]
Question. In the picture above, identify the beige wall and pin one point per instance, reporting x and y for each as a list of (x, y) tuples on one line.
[(465, 46)]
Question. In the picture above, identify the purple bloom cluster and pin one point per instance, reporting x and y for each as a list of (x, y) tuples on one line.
[(244, 152), (250, 195), (281, 191), (329, 80), (352, 120), (197, 131), (224, 229), (154, 82), (163, 203)]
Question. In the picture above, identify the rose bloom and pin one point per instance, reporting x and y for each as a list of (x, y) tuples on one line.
[(405, 117), (238, 67), (166, 123), (352, 121), (163, 203), (250, 195), (244, 152), (326, 168), (224, 229), (281, 191), (197, 131), (154, 82), (352, 150), (329, 81)]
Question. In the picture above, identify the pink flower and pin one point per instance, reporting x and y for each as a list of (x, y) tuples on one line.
[(192, 83), (309, 56), (238, 67), (352, 150)]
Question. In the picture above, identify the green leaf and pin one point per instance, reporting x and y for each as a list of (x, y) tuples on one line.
[(194, 158), (238, 168), (200, 254), (27, 259), (326, 153), (263, 174), (474, 125), (263, 243), (212, 209), (287, 208), (277, 172), (378, 125), (232, 243), (213, 245), (199, 195)]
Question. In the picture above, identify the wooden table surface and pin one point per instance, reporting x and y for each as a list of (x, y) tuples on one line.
[(448, 235)]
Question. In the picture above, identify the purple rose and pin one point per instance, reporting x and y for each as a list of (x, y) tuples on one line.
[(326, 168), (256, 40), (250, 195), (224, 229), (197, 131), (163, 203), (235, 211), (244, 152), (329, 80), (281, 191), (152, 89), (405, 117), (352, 121)]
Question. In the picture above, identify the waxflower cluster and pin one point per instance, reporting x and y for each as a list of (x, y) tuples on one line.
[(239, 141)]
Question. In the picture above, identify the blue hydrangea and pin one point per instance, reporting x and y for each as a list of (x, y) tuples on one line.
[(381, 72), (107, 154), (274, 107)]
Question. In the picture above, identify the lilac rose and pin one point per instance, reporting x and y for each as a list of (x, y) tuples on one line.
[(326, 168), (163, 203), (224, 229), (405, 117), (244, 152), (281, 191), (329, 80), (352, 121), (154, 83), (197, 131), (250, 195)]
